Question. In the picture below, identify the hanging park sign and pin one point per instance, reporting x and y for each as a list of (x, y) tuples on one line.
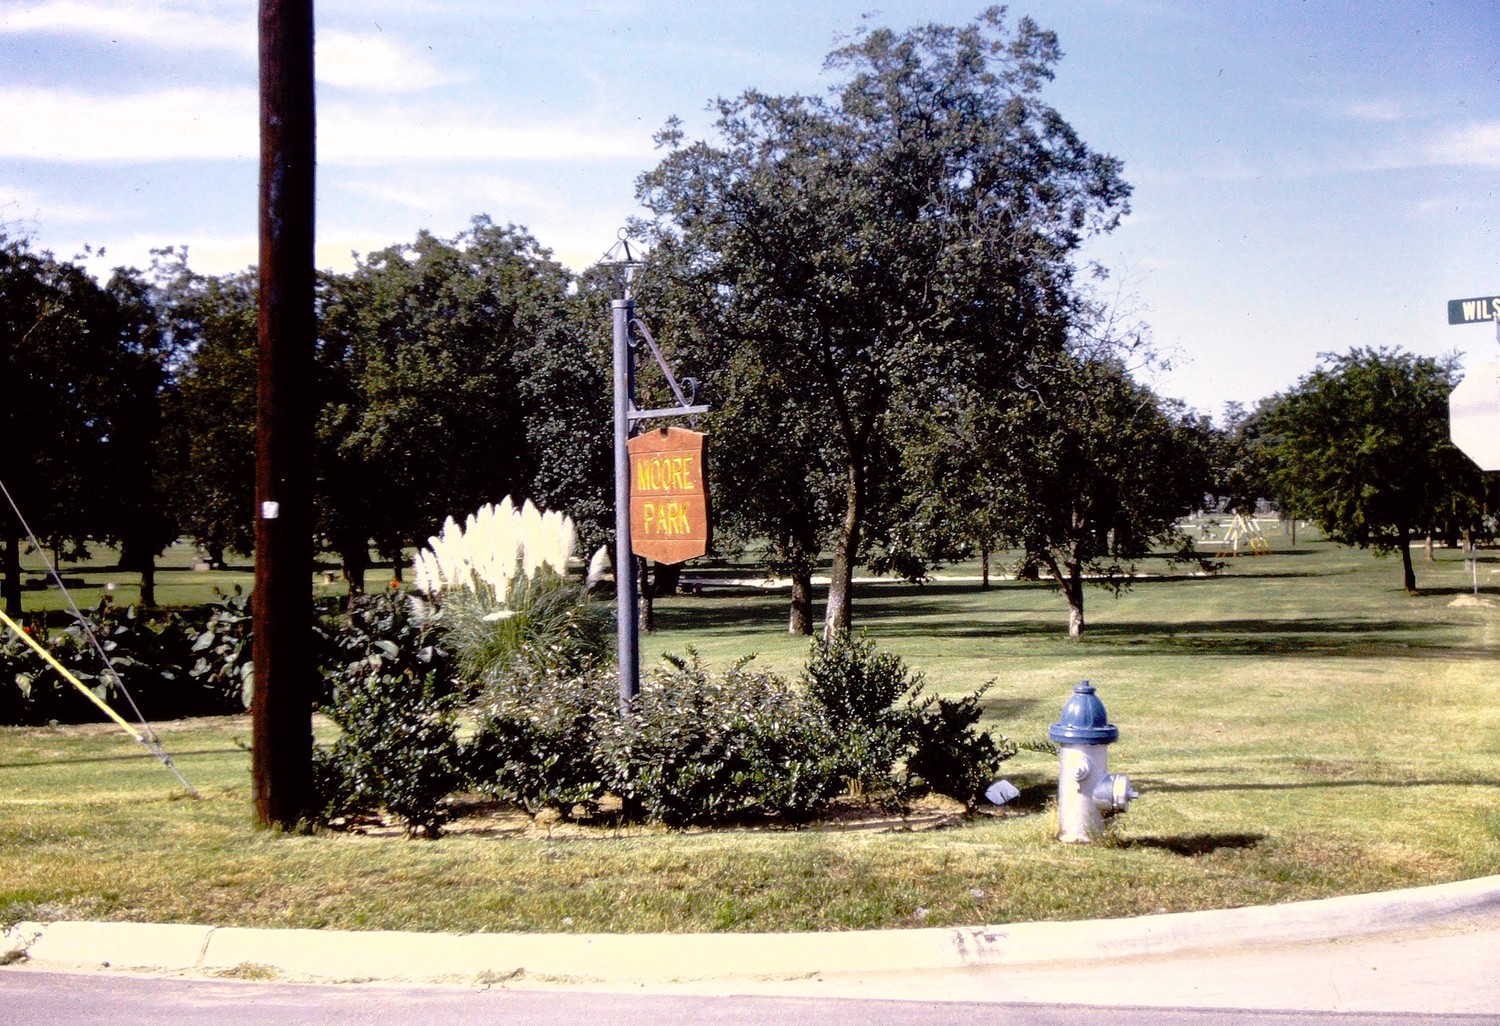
[(669, 515), (1473, 311)]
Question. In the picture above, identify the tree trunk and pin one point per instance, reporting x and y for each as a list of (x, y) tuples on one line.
[(665, 579), (1429, 546), (1069, 579), (647, 598), (355, 561), (148, 583), (984, 567), (12, 583), (839, 616), (1403, 536), (397, 569), (800, 620), (1074, 590)]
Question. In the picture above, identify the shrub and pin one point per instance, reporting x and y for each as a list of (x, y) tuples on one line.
[(222, 664), (893, 736), (535, 737), (393, 698), (192, 663), (546, 621), (499, 585), (948, 753), (859, 689), (699, 746), (36, 693)]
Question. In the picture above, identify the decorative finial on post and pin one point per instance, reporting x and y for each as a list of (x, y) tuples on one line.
[(619, 255)]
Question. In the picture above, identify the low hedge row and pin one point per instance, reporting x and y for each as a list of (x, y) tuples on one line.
[(182, 663), (697, 746), (541, 728)]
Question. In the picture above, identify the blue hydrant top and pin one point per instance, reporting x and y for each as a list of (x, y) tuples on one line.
[(1083, 720)]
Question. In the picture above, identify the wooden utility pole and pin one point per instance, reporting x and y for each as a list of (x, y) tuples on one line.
[(282, 601)]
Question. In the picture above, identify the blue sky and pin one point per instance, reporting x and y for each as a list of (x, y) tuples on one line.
[(1309, 176)]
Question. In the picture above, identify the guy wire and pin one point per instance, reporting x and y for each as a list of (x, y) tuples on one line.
[(149, 738)]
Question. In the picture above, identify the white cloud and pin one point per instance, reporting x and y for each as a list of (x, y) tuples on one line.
[(177, 25), (373, 63), (1476, 145), (344, 60), (222, 124), (171, 124), (365, 135), (1383, 110), (28, 204), (452, 193)]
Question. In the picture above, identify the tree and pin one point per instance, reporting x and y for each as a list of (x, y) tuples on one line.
[(1237, 460), (1088, 469), (1361, 446), (456, 376), (209, 443), (774, 476), (566, 393), (61, 379), (142, 515), (914, 227)]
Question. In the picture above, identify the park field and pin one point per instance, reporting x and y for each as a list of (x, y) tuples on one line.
[(1297, 725)]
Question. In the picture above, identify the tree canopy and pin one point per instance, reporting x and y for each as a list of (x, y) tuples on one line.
[(71, 352), (1361, 447), (1081, 472), (914, 226)]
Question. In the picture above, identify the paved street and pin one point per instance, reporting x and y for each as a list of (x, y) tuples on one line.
[(119, 1000)]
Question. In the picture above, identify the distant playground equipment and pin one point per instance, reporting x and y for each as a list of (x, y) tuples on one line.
[(1242, 527)]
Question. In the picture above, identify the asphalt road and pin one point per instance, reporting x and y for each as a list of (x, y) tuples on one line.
[(30, 997)]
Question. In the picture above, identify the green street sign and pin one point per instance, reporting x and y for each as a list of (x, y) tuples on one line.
[(1472, 311)]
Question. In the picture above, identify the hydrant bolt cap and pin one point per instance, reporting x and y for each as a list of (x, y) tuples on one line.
[(1083, 720)]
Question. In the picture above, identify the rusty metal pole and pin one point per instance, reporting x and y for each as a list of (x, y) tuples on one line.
[(281, 763)]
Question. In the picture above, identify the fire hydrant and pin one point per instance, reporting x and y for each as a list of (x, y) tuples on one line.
[(1086, 791)]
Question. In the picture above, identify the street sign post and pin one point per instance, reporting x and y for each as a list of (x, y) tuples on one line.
[(1474, 415)]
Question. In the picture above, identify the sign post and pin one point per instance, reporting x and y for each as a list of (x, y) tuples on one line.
[(627, 629), (673, 505)]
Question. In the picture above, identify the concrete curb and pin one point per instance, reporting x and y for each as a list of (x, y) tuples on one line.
[(327, 956)]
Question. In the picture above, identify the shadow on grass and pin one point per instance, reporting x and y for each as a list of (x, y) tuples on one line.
[(1194, 845), (1485, 591), (123, 757), (1004, 709), (1148, 786), (966, 611)]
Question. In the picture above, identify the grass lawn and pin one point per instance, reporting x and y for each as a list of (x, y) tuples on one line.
[(1298, 727), (182, 579)]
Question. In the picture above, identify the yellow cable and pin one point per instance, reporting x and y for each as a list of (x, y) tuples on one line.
[(20, 632)]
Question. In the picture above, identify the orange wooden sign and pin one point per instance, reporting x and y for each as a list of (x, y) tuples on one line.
[(669, 517)]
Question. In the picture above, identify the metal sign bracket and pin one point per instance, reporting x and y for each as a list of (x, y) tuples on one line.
[(687, 405)]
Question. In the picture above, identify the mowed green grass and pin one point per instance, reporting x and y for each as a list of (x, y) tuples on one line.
[(182, 579), (1298, 727)]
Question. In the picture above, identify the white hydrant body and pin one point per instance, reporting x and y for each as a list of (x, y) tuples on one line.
[(1087, 793)]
